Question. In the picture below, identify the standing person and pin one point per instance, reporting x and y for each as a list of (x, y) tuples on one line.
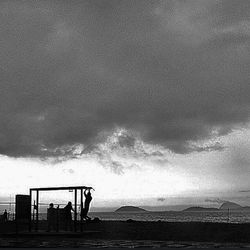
[(5, 216), (88, 199), (51, 217), (68, 217)]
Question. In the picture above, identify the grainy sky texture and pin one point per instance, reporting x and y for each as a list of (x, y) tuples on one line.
[(158, 76)]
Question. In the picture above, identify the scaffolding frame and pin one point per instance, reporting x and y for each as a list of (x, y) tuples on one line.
[(75, 188)]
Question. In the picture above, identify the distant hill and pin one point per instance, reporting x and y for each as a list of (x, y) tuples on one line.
[(125, 209), (225, 206), (199, 209), (247, 208), (231, 206)]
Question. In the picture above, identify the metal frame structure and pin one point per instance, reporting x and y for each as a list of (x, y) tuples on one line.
[(75, 188)]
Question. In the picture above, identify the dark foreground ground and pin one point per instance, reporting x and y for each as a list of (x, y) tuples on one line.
[(131, 234)]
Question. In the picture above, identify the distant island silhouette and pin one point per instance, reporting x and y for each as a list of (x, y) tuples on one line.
[(198, 209), (231, 205), (130, 209), (225, 206)]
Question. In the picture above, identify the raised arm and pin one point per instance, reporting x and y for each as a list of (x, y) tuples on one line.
[(85, 193)]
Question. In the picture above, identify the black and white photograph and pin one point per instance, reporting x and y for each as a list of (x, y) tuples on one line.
[(125, 123)]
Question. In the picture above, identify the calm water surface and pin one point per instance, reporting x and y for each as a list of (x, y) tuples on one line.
[(172, 216)]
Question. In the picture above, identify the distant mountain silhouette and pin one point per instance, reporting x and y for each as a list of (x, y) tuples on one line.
[(130, 209), (231, 205), (225, 206), (199, 209)]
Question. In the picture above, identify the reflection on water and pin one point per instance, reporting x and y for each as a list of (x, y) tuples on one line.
[(173, 216)]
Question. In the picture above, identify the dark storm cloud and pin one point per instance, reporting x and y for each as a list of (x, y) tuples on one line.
[(173, 71), (121, 151), (215, 147)]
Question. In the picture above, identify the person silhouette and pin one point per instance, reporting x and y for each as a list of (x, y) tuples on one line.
[(68, 217), (88, 199), (51, 217), (5, 216)]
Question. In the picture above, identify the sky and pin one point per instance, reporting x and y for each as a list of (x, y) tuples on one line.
[(146, 101)]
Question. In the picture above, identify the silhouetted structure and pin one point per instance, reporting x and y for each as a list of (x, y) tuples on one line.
[(23, 210), (60, 213)]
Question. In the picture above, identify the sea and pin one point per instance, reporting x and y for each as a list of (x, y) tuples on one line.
[(178, 216), (232, 216)]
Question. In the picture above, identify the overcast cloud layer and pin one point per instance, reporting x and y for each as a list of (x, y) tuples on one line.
[(73, 71)]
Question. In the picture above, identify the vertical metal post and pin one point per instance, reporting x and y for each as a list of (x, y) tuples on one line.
[(33, 211), (75, 217), (81, 210), (30, 222), (37, 211), (57, 219)]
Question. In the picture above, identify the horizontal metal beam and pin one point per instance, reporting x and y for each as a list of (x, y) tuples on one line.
[(59, 188)]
